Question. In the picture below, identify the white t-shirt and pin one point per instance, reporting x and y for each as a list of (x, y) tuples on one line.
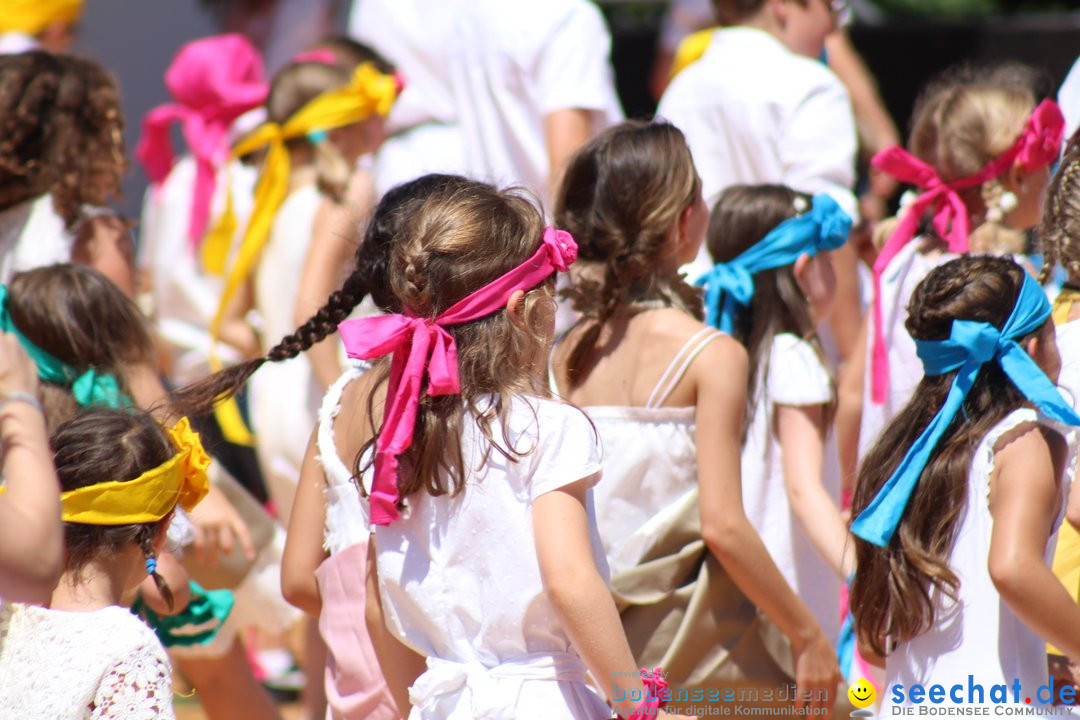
[(461, 584), (1069, 99), (796, 376), (979, 635), (755, 112), (517, 62), (102, 664), (32, 235), (185, 295)]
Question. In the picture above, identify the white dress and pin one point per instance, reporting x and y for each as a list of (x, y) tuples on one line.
[(100, 665), (979, 635), (185, 295), (32, 235), (461, 584), (755, 112), (797, 377), (903, 273), (285, 396)]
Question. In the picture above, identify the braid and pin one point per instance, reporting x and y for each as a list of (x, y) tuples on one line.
[(146, 543), (1061, 217)]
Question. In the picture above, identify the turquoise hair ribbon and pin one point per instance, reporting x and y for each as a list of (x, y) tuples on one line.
[(970, 345), (88, 388), (730, 285)]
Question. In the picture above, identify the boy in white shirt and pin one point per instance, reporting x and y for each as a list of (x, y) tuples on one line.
[(759, 107)]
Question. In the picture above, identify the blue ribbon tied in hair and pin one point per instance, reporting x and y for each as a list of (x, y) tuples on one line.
[(969, 346), (89, 387), (730, 285)]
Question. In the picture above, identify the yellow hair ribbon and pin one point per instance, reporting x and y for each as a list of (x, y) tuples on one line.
[(33, 17), (690, 50), (151, 496), (1063, 305)]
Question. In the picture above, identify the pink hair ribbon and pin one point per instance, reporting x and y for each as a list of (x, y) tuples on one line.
[(213, 81), (1038, 145), (422, 346), (322, 56)]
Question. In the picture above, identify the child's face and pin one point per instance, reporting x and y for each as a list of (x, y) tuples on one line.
[(817, 280), (1044, 351), (356, 140), (1030, 191), (806, 26)]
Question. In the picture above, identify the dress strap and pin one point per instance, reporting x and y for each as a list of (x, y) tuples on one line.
[(553, 384), (680, 364), (337, 473)]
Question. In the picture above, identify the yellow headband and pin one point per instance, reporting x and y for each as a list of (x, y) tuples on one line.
[(34, 16), (149, 497)]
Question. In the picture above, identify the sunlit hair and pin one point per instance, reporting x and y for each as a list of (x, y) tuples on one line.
[(742, 216), (457, 240), (103, 445), (893, 595), (621, 196), (1060, 229), (963, 120), (61, 132)]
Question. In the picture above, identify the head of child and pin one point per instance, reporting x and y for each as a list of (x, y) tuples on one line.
[(801, 25), (52, 23), (456, 241), (793, 298), (333, 152), (1060, 229), (61, 132), (963, 121), (631, 197), (891, 595), (103, 446), (73, 313)]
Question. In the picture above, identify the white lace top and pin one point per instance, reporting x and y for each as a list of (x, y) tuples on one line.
[(100, 665)]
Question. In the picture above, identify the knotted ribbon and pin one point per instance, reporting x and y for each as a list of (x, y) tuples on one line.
[(213, 81), (422, 347), (970, 345), (1038, 145), (730, 285), (88, 387), (33, 17)]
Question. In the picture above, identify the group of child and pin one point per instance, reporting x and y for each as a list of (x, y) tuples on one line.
[(653, 510)]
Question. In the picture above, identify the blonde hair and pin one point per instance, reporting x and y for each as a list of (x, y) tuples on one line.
[(1060, 228), (964, 120), (458, 239)]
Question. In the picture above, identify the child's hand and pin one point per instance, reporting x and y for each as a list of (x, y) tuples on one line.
[(17, 371), (817, 671), (218, 527)]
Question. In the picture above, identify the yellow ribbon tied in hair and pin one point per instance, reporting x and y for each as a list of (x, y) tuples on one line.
[(33, 17), (369, 93), (181, 480)]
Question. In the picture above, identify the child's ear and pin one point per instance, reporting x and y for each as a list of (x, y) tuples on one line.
[(515, 308), (800, 269), (162, 532)]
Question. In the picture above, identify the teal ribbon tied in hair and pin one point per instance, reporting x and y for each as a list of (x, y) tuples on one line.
[(970, 345), (89, 387), (730, 285)]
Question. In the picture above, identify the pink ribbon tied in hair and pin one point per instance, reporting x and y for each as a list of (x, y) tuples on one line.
[(213, 81), (421, 346), (1037, 146)]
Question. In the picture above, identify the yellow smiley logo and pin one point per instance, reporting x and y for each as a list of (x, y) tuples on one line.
[(861, 693)]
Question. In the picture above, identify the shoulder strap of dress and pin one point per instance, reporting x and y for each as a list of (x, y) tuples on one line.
[(336, 470), (553, 384), (680, 364)]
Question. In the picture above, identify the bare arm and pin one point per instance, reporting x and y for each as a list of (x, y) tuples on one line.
[(720, 375), (802, 448), (31, 535), (848, 420), (304, 543), (564, 132), (1024, 502)]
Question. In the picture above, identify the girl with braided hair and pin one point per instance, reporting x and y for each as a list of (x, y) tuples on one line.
[(61, 158), (668, 394)]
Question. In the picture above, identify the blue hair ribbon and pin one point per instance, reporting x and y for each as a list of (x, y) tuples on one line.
[(89, 387), (969, 346), (730, 285)]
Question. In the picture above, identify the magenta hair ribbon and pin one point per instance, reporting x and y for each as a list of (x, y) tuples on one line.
[(421, 346), (322, 56), (656, 697), (1038, 145), (213, 81)]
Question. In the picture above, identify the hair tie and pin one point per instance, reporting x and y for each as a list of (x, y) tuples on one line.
[(422, 347), (151, 565)]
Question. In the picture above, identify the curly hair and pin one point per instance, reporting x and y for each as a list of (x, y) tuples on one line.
[(1060, 229), (61, 132)]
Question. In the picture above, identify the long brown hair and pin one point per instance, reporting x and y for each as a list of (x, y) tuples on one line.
[(742, 216), (893, 594), (104, 445), (61, 132), (459, 239), (622, 193)]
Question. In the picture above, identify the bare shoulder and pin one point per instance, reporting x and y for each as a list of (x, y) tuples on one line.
[(361, 408), (1030, 447)]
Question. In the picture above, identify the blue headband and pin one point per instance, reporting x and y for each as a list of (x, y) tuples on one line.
[(970, 345), (88, 388), (824, 227)]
